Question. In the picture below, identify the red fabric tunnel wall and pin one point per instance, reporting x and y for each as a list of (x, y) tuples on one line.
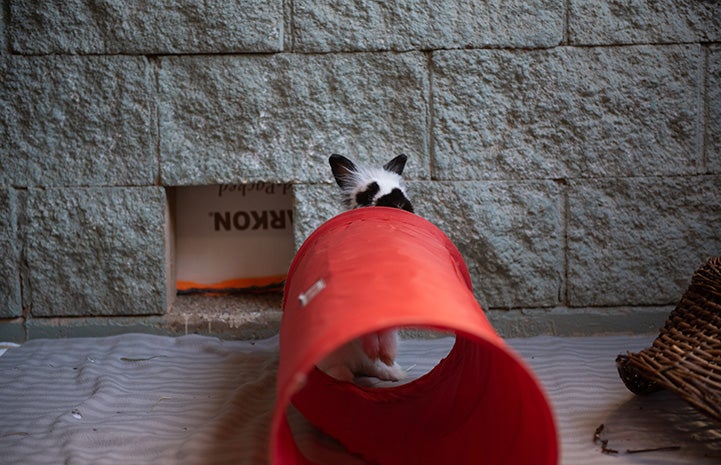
[(376, 268)]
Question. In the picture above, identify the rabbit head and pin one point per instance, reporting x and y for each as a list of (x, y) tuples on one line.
[(365, 186)]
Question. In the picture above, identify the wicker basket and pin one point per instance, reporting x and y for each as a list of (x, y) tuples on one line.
[(685, 358)]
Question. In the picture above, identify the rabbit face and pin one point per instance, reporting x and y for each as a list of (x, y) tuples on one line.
[(366, 186)]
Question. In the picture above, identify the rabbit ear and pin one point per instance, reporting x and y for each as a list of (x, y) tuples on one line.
[(343, 170), (396, 165)]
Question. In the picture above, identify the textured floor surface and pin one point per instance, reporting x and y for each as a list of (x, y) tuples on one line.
[(144, 399)]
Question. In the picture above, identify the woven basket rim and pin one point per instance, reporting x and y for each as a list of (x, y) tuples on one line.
[(685, 358)]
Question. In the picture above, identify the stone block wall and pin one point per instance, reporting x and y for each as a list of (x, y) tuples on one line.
[(570, 148)]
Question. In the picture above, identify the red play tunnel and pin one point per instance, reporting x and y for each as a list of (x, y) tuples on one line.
[(377, 268)]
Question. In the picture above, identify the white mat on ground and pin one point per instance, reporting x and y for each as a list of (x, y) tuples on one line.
[(145, 399)]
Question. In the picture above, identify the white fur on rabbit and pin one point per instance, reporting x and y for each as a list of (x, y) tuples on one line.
[(365, 186), (372, 354)]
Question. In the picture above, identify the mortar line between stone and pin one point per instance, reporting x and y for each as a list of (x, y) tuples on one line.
[(246, 53), (271, 53), (567, 24), (21, 207), (704, 109), (6, 26), (429, 119), (563, 291), (288, 15), (154, 62)]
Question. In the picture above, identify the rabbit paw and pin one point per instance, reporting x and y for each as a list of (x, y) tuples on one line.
[(385, 372), (381, 345)]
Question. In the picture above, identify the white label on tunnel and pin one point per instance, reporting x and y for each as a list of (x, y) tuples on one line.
[(314, 290)]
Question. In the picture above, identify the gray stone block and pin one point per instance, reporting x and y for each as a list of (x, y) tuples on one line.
[(644, 21), (3, 28), (163, 26), (10, 294), (278, 118), (566, 112), (70, 121), (713, 102), (410, 25), (637, 241), (96, 251), (509, 233), (314, 205)]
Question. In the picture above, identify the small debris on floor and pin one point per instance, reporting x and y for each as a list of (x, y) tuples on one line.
[(597, 439)]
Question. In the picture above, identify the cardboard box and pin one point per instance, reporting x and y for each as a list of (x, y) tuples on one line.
[(233, 237)]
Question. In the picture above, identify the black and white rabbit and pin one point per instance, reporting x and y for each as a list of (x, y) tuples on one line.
[(372, 354), (365, 186)]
